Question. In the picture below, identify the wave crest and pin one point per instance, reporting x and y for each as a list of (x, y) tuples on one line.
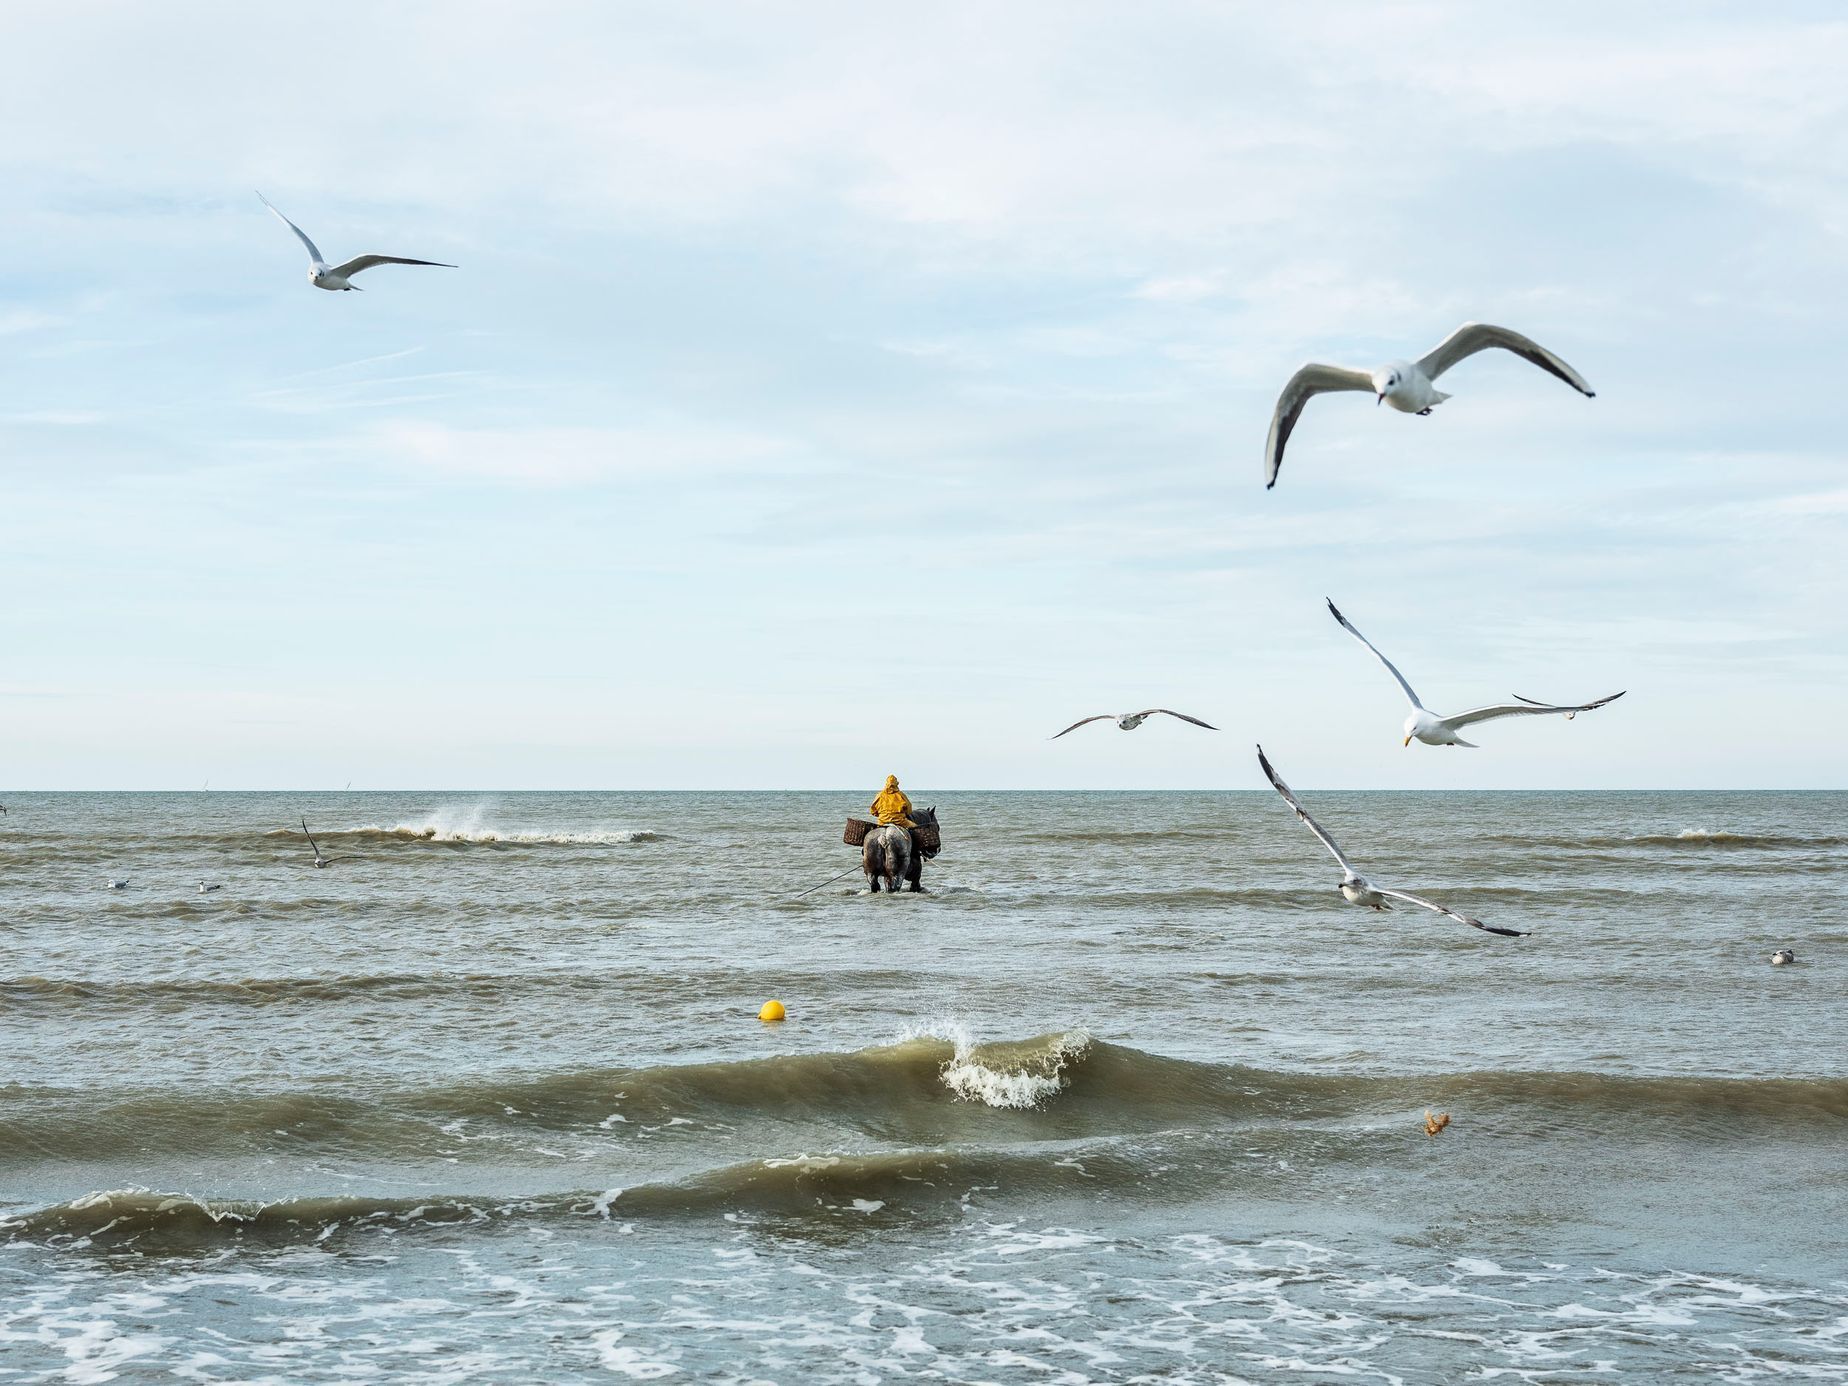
[(1020, 1076), (923, 1092), (473, 834), (439, 832), (1720, 837)]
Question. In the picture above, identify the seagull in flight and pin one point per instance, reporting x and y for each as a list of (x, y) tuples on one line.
[(336, 277), (1129, 721), (1355, 888), (319, 860), (1424, 725), (1406, 385)]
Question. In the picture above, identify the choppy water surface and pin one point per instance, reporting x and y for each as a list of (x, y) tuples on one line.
[(1132, 1094)]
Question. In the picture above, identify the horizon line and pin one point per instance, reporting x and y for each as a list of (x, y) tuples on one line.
[(1195, 789)]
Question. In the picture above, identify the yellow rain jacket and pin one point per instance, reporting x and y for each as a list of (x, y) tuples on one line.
[(892, 806)]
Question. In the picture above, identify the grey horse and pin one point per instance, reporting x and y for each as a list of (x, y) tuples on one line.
[(888, 854)]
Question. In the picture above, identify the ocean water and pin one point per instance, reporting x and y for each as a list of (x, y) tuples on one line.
[(1132, 1095)]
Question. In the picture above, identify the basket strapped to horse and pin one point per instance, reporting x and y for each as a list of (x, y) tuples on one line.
[(927, 836)]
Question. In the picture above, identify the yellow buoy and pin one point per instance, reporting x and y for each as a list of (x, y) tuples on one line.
[(772, 1010)]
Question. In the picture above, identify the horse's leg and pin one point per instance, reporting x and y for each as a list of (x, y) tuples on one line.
[(885, 859), (870, 866), (898, 860), (914, 862)]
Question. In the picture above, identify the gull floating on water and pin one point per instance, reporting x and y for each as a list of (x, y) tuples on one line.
[(1782, 956), (118, 884), (319, 860), (1424, 725), (1355, 888), (205, 889), (335, 277), (1405, 385), (1129, 721)]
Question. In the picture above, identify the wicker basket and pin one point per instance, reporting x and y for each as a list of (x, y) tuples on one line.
[(928, 839)]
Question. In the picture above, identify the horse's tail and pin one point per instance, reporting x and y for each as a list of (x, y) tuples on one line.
[(886, 853)]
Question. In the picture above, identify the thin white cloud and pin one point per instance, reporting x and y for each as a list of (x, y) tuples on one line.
[(564, 456), (56, 418)]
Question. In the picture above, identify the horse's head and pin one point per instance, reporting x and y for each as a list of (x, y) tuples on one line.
[(927, 818)]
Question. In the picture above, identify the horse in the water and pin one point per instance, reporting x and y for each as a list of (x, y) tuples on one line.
[(889, 854)]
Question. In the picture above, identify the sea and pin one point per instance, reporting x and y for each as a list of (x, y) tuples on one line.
[(1131, 1094)]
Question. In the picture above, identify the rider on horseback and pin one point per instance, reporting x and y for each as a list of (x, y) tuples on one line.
[(892, 806), (898, 846)]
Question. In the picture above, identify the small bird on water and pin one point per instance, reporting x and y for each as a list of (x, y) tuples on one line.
[(1434, 1124), (339, 277), (1782, 956), (118, 884), (205, 889), (1129, 721)]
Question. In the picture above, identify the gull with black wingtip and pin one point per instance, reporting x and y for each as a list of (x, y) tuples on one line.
[(1408, 386), (1355, 888), (1129, 721), (1424, 725), (337, 278), (319, 860)]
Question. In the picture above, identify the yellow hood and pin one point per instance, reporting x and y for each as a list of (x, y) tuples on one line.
[(892, 806)]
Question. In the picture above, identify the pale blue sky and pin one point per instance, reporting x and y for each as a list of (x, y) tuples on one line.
[(830, 390)]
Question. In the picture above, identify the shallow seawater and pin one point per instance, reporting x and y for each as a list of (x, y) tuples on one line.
[(1132, 1094)]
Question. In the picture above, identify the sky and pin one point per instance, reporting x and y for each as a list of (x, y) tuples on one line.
[(834, 390)]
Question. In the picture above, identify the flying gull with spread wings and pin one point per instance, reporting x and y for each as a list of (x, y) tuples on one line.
[(319, 860), (1406, 385), (338, 277), (1355, 888), (1129, 721), (1424, 725)]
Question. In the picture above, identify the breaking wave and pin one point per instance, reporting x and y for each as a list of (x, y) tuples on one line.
[(924, 1091), (1717, 837), (1682, 838), (1017, 1076), (482, 835), (436, 832), (898, 1183)]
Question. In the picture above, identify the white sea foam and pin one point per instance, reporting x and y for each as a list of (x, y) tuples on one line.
[(1478, 1266), (527, 836), (98, 1350), (475, 828), (475, 823), (434, 831), (627, 1360), (1030, 1079)]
